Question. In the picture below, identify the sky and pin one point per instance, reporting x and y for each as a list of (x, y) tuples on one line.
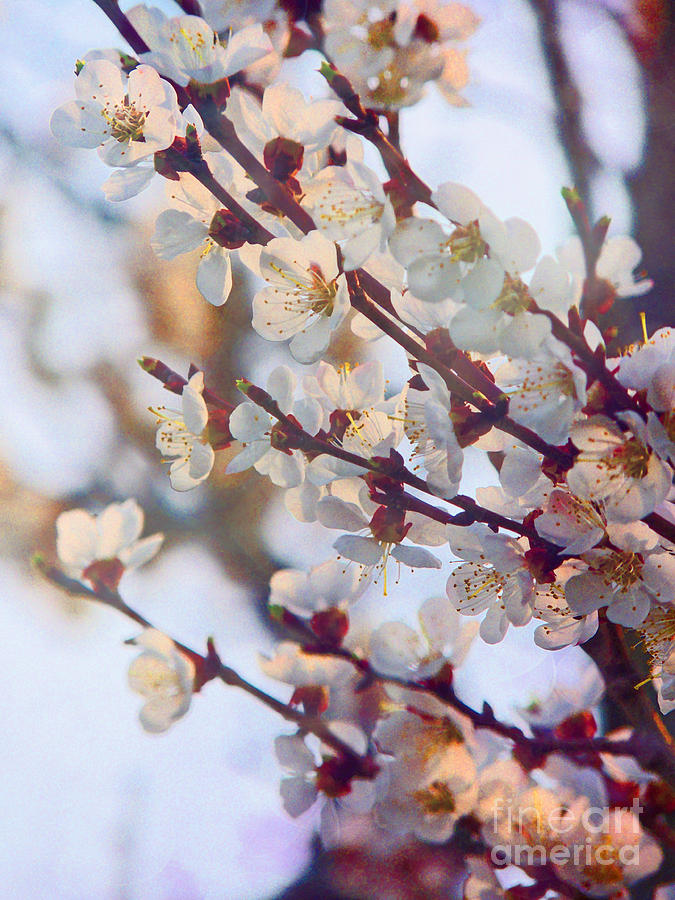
[(94, 807)]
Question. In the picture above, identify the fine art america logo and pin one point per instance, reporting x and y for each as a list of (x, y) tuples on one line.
[(584, 838)]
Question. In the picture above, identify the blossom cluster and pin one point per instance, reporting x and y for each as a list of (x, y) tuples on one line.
[(504, 356)]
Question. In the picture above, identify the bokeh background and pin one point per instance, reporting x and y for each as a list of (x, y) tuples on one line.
[(561, 93)]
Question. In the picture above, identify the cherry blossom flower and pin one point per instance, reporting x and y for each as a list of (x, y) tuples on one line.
[(349, 388), (104, 546), (575, 525), (185, 48), (306, 299), (128, 119), (384, 543), (326, 586), (348, 205), (396, 649), (617, 467), (197, 221), (390, 50), (291, 665), (424, 792), (650, 367), (628, 579), (165, 677), (385, 529), (308, 779), (617, 852), (428, 427), (577, 688), (261, 436), (369, 433), (561, 626), (286, 115), (494, 579), (183, 435), (545, 394), (494, 314), (619, 257), (523, 485)]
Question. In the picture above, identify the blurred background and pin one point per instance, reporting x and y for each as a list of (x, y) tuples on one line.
[(561, 92)]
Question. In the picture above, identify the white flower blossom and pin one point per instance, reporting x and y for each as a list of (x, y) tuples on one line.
[(618, 259), (83, 539), (306, 298), (165, 677), (396, 649), (256, 430), (128, 119), (185, 48), (628, 579), (326, 586), (194, 222), (618, 468), (494, 580), (182, 435), (348, 205)]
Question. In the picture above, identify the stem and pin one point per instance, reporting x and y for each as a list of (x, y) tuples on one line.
[(581, 159), (123, 25), (315, 445), (363, 765), (259, 234), (539, 744), (223, 130), (454, 383)]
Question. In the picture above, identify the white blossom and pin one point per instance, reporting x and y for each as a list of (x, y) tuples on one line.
[(165, 677), (618, 468), (306, 298), (128, 119), (83, 539), (183, 436), (185, 48), (494, 580), (348, 205)]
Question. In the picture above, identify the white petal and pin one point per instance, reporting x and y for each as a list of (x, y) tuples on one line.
[(79, 125), (297, 795), (176, 232), (76, 538), (201, 460), (281, 387), (395, 649), (126, 183), (286, 471), (415, 557), (141, 551), (293, 754), (214, 277), (335, 513), (248, 422), (365, 551), (457, 202), (195, 413)]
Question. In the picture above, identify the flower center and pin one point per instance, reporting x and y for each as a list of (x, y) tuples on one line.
[(390, 87), (126, 122), (381, 34), (514, 297), (466, 243), (621, 567), (632, 457), (436, 799), (658, 632)]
